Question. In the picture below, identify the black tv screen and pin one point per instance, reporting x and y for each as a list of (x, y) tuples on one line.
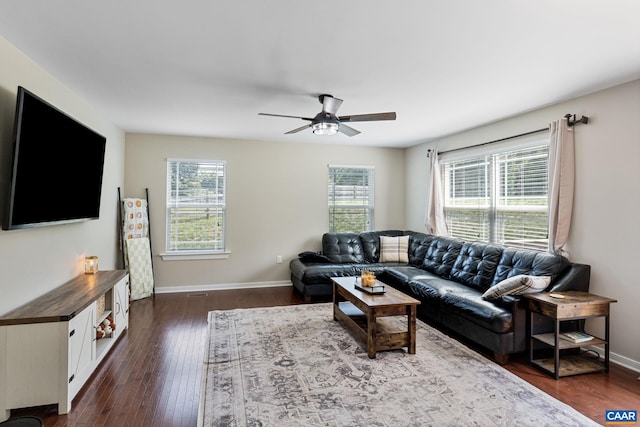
[(57, 167)]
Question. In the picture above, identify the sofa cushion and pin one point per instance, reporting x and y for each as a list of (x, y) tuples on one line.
[(406, 274), (400, 276), (464, 301), (377, 268), (313, 274), (371, 243), (394, 249), (342, 248), (471, 306), (418, 245), (476, 265), (517, 285), (441, 254), (529, 262), (430, 288)]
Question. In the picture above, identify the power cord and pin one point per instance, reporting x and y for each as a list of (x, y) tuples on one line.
[(593, 354)]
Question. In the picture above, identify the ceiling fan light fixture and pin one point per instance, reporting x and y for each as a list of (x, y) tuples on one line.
[(327, 123), (325, 128)]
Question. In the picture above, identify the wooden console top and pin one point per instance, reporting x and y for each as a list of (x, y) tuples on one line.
[(63, 302)]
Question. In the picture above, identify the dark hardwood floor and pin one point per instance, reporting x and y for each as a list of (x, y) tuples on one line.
[(152, 376)]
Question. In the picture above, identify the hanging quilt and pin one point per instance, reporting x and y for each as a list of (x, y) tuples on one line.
[(136, 222), (140, 269), (137, 247)]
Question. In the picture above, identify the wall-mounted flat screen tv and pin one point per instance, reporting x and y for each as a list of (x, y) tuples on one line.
[(57, 167)]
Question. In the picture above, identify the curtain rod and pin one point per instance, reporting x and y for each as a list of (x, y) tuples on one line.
[(570, 122)]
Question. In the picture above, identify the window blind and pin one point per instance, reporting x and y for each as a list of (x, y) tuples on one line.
[(499, 198), (351, 198), (196, 205)]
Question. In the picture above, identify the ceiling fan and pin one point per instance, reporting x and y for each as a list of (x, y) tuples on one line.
[(327, 123)]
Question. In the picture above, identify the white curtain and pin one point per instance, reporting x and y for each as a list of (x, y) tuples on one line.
[(434, 218), (561, 184)]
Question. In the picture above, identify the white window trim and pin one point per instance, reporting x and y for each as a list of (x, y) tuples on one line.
[(190, 255), (193, 255), (497, 148)]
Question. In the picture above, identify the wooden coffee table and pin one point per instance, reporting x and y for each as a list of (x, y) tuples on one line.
[(359, 312)]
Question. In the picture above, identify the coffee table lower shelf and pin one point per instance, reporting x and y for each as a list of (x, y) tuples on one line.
[(387, 334), (570, 365)]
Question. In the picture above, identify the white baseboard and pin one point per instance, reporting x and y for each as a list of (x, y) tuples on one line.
[(627, 362), (222, 287), (618, 359)]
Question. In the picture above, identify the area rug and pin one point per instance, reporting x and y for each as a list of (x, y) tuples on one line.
[(296, 366)]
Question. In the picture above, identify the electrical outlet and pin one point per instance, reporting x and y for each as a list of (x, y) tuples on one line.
[(279, 259)]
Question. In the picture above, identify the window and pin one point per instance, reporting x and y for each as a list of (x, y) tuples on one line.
[(351, 191), (499, 198), (195, 205)]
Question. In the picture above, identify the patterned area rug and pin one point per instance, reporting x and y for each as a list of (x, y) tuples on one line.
[(296, 366)]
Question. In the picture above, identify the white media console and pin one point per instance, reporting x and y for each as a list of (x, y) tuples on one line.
[(49, 347)]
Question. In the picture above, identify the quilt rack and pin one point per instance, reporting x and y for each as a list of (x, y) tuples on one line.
[(135, 244)]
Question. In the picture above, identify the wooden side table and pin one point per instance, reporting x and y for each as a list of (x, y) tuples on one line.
[(574, 306)]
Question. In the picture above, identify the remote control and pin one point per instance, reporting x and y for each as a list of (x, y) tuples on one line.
[(556, 296)]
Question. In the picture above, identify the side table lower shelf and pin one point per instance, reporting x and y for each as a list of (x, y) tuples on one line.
[(571, 365), (574, 364)]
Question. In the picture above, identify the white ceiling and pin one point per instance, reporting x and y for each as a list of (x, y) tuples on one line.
[(205, 67)]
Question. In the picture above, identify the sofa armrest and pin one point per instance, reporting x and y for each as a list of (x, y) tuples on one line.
[(517, 305), (297, 267), (575, 278)]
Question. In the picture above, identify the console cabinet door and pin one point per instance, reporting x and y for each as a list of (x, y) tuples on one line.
[(121, 306), (81, 348)]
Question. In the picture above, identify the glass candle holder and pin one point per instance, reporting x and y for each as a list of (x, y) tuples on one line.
[(91, 265), (367, 278)]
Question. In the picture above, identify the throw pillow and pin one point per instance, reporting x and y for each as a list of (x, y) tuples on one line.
[(394, 249), (517, 285)]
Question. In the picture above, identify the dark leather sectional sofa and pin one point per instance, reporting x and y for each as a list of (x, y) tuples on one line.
[(448, 276)]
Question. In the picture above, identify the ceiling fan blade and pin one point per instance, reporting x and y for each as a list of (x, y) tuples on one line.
[(368, 117), (283, 115), (298, 129), (348, 130), (330, 104)]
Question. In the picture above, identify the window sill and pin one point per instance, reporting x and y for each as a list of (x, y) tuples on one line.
[(191, 256)]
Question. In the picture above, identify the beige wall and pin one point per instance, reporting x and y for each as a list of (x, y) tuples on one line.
[(276, 202), (605, 231), (277, 198), (34, 261)]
